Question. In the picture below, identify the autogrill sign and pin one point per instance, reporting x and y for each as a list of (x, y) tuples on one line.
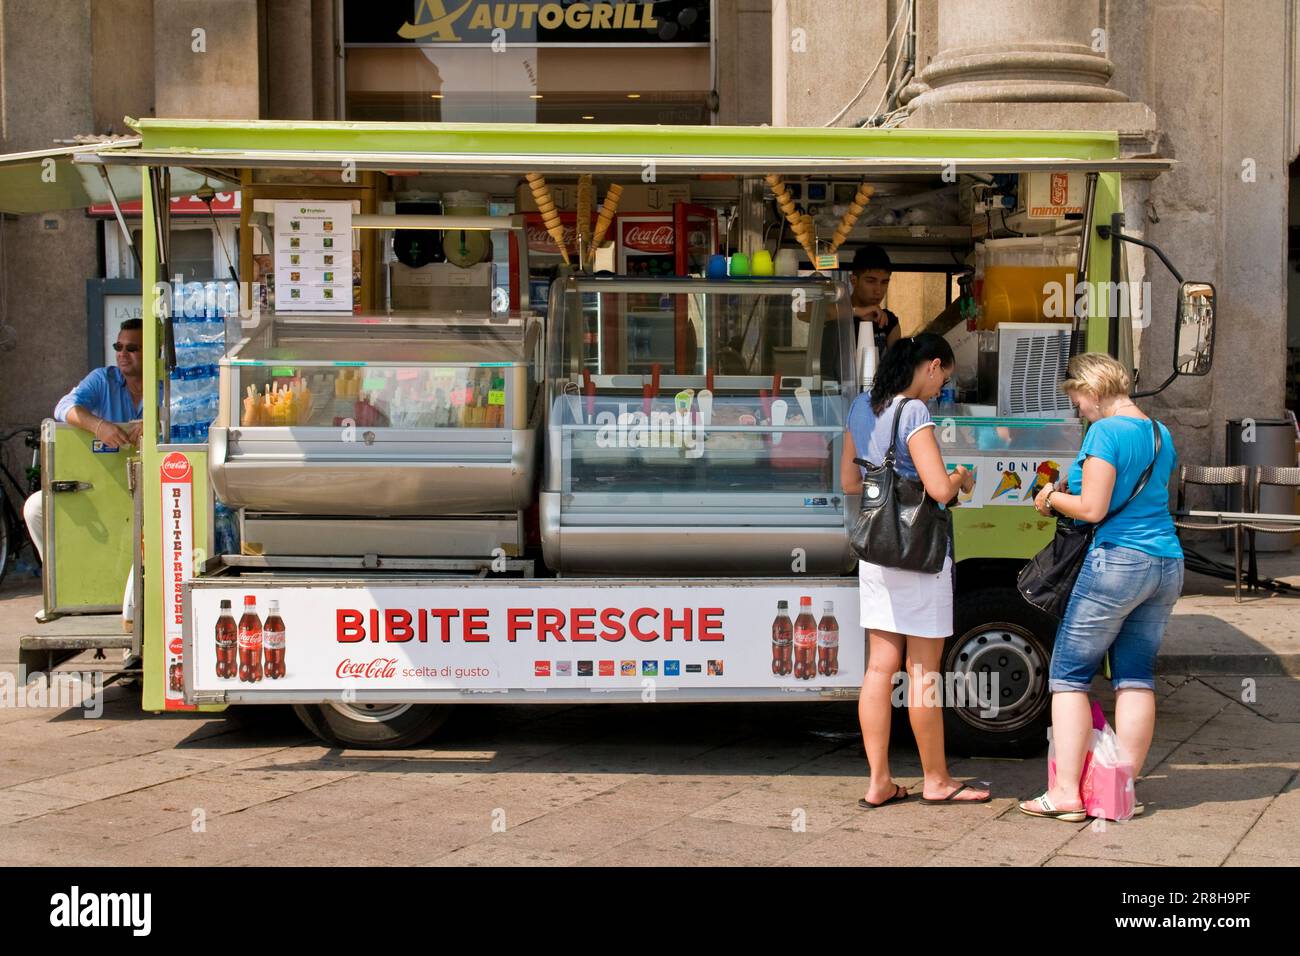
[(482, 22)]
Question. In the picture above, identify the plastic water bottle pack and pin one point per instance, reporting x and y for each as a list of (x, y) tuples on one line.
[(199, 327)]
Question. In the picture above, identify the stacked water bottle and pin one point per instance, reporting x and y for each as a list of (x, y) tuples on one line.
[(199, 322)]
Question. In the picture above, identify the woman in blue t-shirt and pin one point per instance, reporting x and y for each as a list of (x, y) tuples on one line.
[(907, 614), (1129, 581)]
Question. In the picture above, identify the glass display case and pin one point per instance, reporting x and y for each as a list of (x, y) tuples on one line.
[(380, 415), (692, 428), (1012, 457)]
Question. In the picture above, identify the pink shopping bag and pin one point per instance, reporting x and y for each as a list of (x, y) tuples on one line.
[(1107, 785)]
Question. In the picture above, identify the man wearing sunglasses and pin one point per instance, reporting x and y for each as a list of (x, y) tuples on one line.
[(104, 403)]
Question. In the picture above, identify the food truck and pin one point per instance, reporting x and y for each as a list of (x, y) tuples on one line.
[(570, 431)]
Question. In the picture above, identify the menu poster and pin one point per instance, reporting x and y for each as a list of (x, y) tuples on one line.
[(313, 256)]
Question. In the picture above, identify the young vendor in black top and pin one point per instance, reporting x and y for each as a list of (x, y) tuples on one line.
[(870, 275)]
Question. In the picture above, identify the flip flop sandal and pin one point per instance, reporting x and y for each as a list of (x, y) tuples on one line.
[(1045, 809), (949, 798), (899, 796)]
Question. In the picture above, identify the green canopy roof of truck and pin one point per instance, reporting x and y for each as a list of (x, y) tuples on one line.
[(217, 147)]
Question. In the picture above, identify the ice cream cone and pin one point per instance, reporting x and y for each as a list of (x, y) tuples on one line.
[(1009, 483)]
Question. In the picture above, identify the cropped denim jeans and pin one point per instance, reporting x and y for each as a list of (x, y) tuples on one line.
[(1121, 603)]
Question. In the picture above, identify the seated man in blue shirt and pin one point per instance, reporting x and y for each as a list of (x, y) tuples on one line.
[(103, 403)]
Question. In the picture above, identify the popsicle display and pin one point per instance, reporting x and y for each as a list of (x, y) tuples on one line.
[(279, 403)]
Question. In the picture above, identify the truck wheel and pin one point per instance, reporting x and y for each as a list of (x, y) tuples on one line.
[(1003, 644), (373, 726)]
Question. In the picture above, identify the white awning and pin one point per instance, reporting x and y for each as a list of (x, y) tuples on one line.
[(68, 177)]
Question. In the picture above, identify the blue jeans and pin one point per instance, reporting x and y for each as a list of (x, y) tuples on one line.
[(1121, 603)]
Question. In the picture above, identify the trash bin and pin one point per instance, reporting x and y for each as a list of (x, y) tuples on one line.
[(1274, 444)]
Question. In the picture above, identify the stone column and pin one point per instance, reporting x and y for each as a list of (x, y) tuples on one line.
[(1019, 51), (1014, 65)]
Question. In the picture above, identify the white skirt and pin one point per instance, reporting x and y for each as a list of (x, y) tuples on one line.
[(906, 602)]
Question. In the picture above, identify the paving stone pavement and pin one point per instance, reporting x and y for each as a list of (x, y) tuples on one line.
[(662, 784)]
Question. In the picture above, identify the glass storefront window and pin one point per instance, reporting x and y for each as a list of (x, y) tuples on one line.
[(503, 62)]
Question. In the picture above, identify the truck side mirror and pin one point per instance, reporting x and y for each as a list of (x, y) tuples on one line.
[(1194, 339)]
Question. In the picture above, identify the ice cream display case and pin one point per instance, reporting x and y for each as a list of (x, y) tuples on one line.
[(387, 415), (692, 428)]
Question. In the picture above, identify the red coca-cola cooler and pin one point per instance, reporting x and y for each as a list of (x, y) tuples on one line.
[(666, 244)]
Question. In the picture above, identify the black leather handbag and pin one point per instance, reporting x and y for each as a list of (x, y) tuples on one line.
[(1047, 581), (898, 524)]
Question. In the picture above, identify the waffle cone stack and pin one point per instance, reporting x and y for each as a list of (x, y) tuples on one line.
[(585, 197), (603, 221), (550, 215), (850, 218), (801, 225)]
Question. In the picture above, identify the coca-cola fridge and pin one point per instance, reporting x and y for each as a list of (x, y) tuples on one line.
[(657, 245)]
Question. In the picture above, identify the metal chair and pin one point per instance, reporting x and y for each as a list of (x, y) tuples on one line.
[(1218, 476), (1267, 475)]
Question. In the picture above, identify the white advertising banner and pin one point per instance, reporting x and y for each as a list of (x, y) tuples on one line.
[(178, 556), (504, 637), (313, 256), (1009, 481)]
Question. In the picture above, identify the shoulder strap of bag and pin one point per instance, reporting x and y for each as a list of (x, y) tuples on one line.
[(893, 438), (1146, 475)]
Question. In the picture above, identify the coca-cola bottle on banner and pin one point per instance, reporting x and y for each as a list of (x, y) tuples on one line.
[(828, 641), (250, 642), (782, 635), (805, 641), (227, 641), (273, 640)]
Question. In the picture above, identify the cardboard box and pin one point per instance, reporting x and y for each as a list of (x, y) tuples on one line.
[(564, 194), (442, 286), (653, 197)]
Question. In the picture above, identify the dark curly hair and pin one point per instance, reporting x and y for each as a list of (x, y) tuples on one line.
[(898, 367)]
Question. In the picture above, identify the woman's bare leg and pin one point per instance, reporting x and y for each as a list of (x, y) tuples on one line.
[(1135, 724), (925, 711), (884, 660), (1071, 731)]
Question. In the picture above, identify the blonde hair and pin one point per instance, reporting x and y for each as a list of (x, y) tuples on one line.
[(1097, 373)]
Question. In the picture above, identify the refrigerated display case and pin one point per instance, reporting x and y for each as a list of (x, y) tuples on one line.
[(385, 415), (692, 429)]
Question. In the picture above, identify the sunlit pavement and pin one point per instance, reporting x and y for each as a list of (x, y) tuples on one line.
[(644, 784)]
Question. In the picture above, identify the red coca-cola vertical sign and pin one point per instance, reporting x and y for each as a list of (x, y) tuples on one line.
[(178, 558)]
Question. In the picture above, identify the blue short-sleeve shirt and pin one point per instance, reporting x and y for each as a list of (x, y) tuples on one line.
[(104, 393), (1145, 524), (871, 433)]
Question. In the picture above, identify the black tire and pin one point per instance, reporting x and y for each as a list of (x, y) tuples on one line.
[(373, 726), (997, 633)]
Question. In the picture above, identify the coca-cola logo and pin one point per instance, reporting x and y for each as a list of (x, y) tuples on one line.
[(539, 240), (656, 238), (176, 467), (175, 645), (382, 668)]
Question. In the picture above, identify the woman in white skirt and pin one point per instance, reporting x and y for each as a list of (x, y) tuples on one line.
[(907, 614)]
